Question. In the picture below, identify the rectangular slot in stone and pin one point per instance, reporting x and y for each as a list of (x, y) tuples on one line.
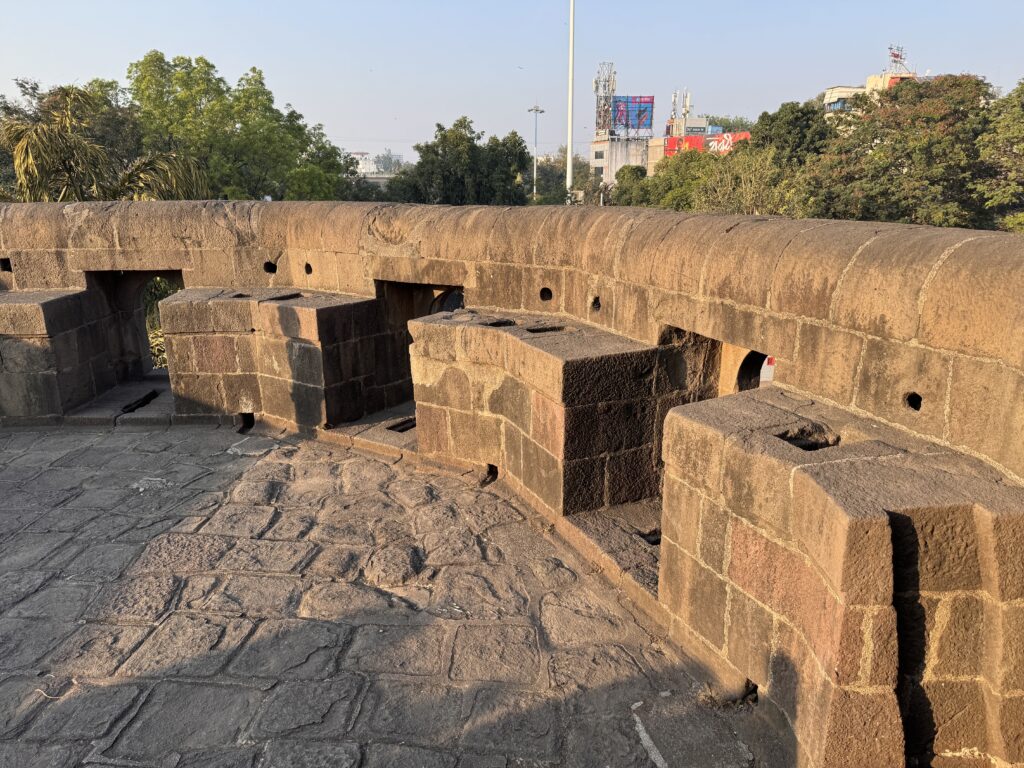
[(404, 425)]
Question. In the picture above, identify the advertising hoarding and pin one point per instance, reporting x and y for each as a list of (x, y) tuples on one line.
[(633, 112)]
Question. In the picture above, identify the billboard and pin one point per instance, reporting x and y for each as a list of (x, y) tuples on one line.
[(633, 112), (720, 143)]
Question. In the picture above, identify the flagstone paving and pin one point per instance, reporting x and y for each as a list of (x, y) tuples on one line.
[(196, 597)]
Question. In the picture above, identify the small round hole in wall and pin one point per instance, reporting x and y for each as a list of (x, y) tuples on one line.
[(269, 267), (546, 294), (309, 269), (596, 304), (913, 401)]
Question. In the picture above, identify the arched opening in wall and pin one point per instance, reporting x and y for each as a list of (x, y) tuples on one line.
[(749, 374), (156, 290)]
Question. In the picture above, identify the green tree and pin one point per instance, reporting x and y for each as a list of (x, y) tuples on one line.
[(795, 131), (388, 162), (251, 148), (1002, 148), (907, 154), (675, 181), (730, 123), (629, 186), (551, 179), (457, 168), (748, 180), (56, 156)]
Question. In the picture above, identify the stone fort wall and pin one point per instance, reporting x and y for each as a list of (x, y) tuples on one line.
[(848, 540)]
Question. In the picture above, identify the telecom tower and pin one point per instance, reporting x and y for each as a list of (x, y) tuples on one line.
[(604, 90), (898, 61)]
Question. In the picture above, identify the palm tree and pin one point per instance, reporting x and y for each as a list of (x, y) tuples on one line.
[(55, 159)]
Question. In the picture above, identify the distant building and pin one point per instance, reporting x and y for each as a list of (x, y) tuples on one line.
[(838, 97), (369, 168), (684, 131), (622, 129)]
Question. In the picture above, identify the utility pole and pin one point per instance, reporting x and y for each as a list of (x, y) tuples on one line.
[(537, 112), (568, 143)]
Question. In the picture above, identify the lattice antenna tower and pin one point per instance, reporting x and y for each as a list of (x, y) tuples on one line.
[(898, 60), (604, 90)]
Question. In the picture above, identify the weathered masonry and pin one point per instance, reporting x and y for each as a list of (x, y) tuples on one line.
[(849, 539)]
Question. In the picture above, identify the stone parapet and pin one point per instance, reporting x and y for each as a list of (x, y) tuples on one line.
[(570, 414), (304, 358), (787, 529), (58, 350), (919, 327)]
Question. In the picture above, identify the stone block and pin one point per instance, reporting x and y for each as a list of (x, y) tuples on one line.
[(680, 516), (694, 452), (298, 403), (971, 304), (542, 474), (863, 728), (543, 289), (583, 485), (496, 285), (781, 578), (29, 394), (476, 437), (592, 430), (749, 636), (350, 401), (633, 475), (511, 400), (432, 431), (214, 353), (825, 361), (905, 385), (869, 299), (242, 393), (547, 427), (986, 411), (797, 290)]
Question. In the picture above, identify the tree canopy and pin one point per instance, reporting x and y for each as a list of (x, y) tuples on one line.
[(943, 151), (173, 118), (459, 168), (251, 148), (70, 144), (911, 153)]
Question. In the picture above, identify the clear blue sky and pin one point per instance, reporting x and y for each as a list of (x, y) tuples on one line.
[(381, 73)]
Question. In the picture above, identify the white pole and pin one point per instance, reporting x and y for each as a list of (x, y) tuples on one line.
[(537, 112), (568, 143)]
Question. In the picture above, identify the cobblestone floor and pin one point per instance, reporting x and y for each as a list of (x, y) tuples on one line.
[(196, 597)]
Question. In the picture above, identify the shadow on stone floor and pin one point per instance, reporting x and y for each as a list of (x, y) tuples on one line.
[(202, 598)]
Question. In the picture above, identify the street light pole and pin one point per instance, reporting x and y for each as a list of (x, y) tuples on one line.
[(537, 112), (568, 143)]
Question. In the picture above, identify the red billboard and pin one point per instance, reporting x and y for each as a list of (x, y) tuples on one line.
[(720, 143)]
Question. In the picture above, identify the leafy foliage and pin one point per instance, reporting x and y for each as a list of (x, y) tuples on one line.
[(178, 130), (911, 153), (795, 131), (551, 179), (56, 156), (457, 168), (251, 148), (943, 151), (730, 123), (1002, 148)]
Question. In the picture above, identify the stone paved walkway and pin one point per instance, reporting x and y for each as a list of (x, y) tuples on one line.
[(196, 597)]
